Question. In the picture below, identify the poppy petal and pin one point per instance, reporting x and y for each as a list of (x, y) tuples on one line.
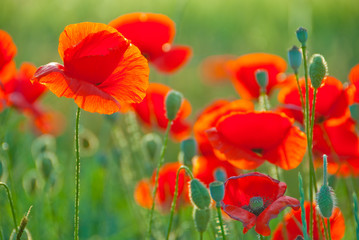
[(272, 211), (143, 194), (247, 218), (213, 68), (7, 49), (173, 59)]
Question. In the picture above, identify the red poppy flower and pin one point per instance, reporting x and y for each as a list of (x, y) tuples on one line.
[(152, 112), (19, 91), (332, 100), (340, 142), (153, 34), (209, 117), (242, 72), (166, 188), (255, 199), (7, 49), (246, 140), (293, 222), (213, 68), (204, 168), (101, 71), (49, 122), (354, 79)]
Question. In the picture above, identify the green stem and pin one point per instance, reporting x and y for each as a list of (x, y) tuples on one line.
[(11, 204), (221, 222), (260, 237), (174, 201), (312, 118), (277, 171), (300, 91), (356, 216), (304, 221), (328, 226), (159, 165), (201, 235), (77, 176)]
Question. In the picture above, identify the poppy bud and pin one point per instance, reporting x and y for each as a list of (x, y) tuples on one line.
[(299, 237), (173, 103), (42, 144), (46, 167), (325, 197), (302, 35), (188, 150), (318, 70), (220, 175), (217, 192), (31, 183), (201, 218), (354, 111), (199, 194), (262, 79), (295, 58), (152, 144)]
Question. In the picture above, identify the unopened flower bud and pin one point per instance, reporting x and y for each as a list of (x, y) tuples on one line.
[(302, 35), (354, 111), (201, 218), (152, 144), (173, 104), (318, 70), (220, 175), (188, 150), (262, 79), (199, 194), (295, 58), (217, 192)]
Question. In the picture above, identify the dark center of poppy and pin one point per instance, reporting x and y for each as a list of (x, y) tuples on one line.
[(320, 119), (257, 150), (256, 205)]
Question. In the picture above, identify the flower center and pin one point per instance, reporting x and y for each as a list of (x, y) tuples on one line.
[(256, 205)]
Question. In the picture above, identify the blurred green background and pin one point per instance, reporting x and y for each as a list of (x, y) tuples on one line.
[(209, 27)]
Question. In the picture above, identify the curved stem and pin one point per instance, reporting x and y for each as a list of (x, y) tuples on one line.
[(174, 201), (11, 204), (77, 176), (221, 222), (159, 165)]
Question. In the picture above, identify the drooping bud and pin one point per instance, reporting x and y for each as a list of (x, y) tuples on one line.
[(217, 192), (201, 218), (262, 79), (318, 70), (295, 58), (302, 35), (173, 103), (220, 175), (199, 194), (152, 144), (188, 150), (354, 111), (325, 197)]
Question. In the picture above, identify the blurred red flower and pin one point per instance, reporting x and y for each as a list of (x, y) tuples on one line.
[(332, 100), (354, 79), (7, 49), (242, 72), (166, 188), (153, 34), (293, 222), (209, 117), (102, 70), (204, 168), (213, 68), (246, 140), (254, 199), (152, 112)]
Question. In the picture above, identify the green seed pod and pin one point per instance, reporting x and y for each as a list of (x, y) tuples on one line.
[(295, 58), (201, 218), (151, 144), (220, 175), (173, 103), (42, 144), (188, 150), (217, 192), (354, 111), (199, 194), (318, 70), (302, 35), (262, 79)]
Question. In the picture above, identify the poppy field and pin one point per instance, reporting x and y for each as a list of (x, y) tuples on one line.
[(179, 120)]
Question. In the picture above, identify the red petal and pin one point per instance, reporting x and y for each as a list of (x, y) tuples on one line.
[(173, 59), (148, 31), (272, 211), (213, 68), (143, 194), (243, 69), (7, 49), (247, 218)]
